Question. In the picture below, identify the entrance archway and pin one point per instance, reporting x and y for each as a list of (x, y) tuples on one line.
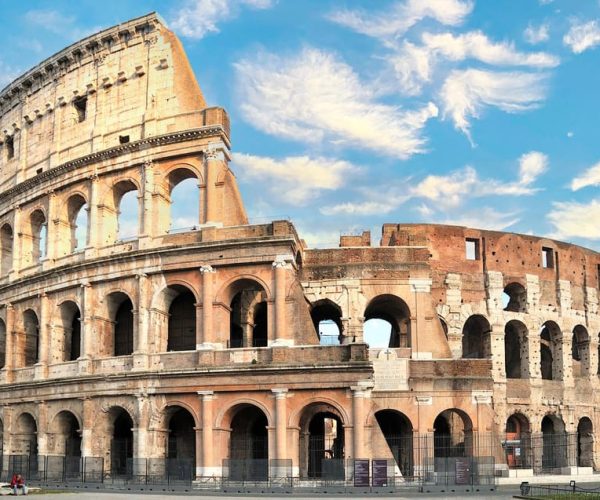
[(453, 435), (398, 433), (121, 448), (517, 444), (249, 445), (554, 443), (585, 443), (181, 445)]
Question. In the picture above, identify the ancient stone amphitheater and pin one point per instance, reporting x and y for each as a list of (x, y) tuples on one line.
[(209, 352)]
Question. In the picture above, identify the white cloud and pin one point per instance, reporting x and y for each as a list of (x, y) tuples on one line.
[(401, 16), (295, 179), (484, 218), (466, 92), (477, 45), (314, 97), (591, 177), (575, 220), (413, 66), (363, 208), (197, 18), (58, 23), (582, 37), (531, 166), (533, 34), (570, 134)]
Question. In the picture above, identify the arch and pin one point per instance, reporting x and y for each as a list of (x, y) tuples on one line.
[(397, 430), (77, 213), (515, 297), (37, 236), (322, 441), (516, 352), (66, 428), (517, 445), (452, 435), (121, 441), (181, 443), (24, 437), (2, 343), (6, 249), (184, 198), (585, 442), (127, 204), (31, 327), (71, 330), (248, 443), (551, 365), (554, 443), (172, 406), (236, 284), (120, 312), (393, 311), (248, 321), (225, 416), (326, 316), (476, 337), (181, 335), (580, 351)]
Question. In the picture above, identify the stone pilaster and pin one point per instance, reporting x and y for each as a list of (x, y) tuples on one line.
[(205, 336), (280, 267), (207, 465)]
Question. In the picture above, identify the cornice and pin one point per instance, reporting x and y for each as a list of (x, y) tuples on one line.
[(135, 146)]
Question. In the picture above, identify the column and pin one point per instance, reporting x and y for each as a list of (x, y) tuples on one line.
[(41, 369), (280, 431), (140, 435), (359, 394), (147, 222), (17, 230), (9, 364), (87, 426), (42, 433), (280, 266), (205, 335), (141, 325), (207, 465), (87, 345), (94, 220), (212, 159)]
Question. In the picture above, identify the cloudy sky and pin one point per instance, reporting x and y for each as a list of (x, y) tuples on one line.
[(347, 114)]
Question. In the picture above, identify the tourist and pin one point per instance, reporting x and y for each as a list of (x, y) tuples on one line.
[(17, 483)]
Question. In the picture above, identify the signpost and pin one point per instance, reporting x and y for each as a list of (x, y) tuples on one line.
[(361, 472), (380, 476)]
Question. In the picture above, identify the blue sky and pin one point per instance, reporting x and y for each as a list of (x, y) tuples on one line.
[(347, 114)]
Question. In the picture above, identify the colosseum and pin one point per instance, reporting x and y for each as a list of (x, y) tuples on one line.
[(231, 350)]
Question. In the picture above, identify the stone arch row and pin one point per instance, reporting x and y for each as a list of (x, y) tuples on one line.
[(176, 313), (27, 238), (387, 322), (477, 343)]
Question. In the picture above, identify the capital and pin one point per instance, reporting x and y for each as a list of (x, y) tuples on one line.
[(280, 393), (206, 395), (207, 269)]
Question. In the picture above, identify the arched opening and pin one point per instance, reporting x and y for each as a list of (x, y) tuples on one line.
[(121, 447), (387, 322), (2, 344), (554, 446), (71, 325), (38, 228), (585, 443), (32, 335), (77, 210), (516, 356), (551, 351), (249, 445), (248, 315), (24, 440), (515, 298), (452, 436), (476, 338), (181, 446), (120, 309), (182, 319), (128, 210), (6, 250), (580, 351), (398, 433), (184, 194), (67, 442), (327, 319), (517, 445)]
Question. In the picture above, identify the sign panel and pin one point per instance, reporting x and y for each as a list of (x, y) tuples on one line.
[(463, 470), (361, 472), (380, 473)]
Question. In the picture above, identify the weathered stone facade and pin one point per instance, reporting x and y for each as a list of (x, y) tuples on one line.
[(194, 344)]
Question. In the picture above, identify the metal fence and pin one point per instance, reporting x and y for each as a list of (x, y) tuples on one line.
[(557, 492)]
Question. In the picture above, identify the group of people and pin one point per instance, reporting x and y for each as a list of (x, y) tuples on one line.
[(18, 483)]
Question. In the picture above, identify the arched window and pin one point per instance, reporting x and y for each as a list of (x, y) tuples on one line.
[(551, 352), (515, 298), (327, 320), (38, 234), (32, 335), (2, 344), (120, 312), (182, 321), (6, 249), (387, 322), (580, 351), (248, 316), (184, 196), (516, 358), (476, 338), (78, 222), (71, 326), (128, 210)]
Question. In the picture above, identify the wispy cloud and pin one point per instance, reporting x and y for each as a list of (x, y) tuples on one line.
[(536, 34), (466, 93), (483, 218), (315, 97), (591, 177), (583, 36), (402, 15), (58, 23), (198, 18), (575, 220), (295, 179)]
